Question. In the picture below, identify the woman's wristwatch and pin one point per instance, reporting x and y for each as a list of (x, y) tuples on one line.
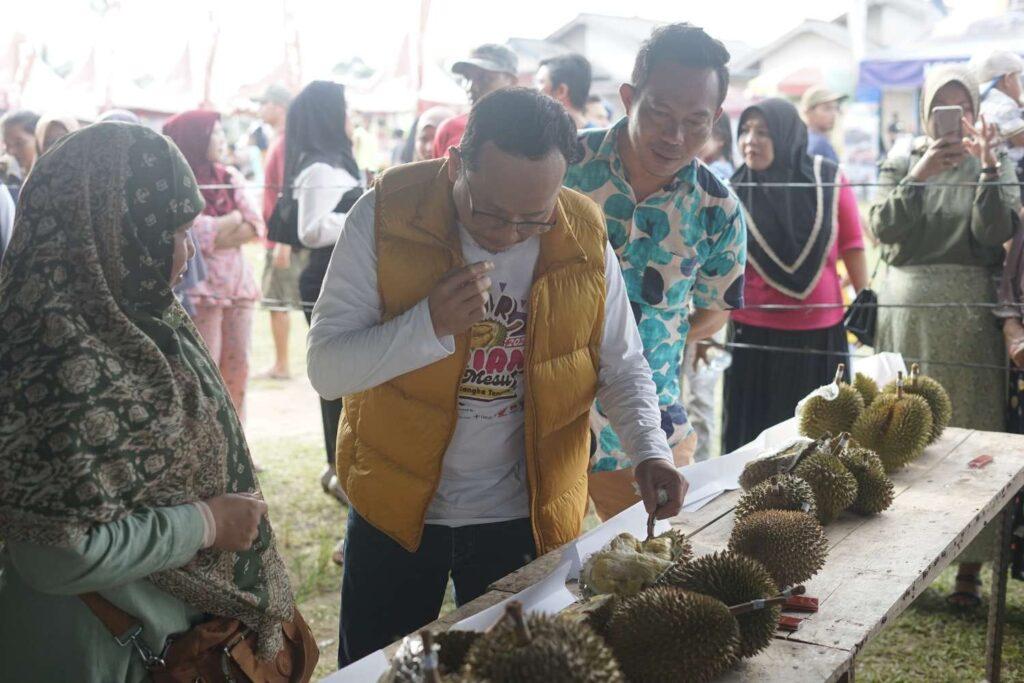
[(990, 170)]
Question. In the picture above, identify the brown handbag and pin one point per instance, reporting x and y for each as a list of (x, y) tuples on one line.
[(219, 650)]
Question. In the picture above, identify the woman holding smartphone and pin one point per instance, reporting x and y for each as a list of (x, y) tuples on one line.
[(942, 216)]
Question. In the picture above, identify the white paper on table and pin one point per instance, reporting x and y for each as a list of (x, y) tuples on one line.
[(548, 596), (369, 668)]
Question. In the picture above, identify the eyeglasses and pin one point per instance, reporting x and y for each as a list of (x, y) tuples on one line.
[(496, 222)]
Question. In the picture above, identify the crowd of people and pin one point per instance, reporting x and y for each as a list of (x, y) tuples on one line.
[(524, 314)]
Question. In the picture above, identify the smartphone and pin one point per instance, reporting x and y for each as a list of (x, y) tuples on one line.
[(947, 122)]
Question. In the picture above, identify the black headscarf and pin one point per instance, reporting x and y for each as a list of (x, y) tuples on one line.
[(792, 228), (315, 132)]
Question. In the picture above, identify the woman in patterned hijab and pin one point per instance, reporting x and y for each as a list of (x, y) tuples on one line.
[(113, 418)]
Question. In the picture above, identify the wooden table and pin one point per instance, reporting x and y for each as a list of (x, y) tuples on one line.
[(876, 566)]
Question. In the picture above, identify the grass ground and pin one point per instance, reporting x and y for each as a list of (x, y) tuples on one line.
[(929, 642)]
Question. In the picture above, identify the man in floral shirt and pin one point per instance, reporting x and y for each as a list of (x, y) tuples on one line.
[(678, 230)]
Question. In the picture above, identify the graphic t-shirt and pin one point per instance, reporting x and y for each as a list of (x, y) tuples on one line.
[(484, 471)]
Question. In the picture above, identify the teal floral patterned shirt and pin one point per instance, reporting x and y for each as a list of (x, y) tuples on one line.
[(683, 246)]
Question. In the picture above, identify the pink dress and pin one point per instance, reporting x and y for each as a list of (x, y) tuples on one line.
[(757, 292), (224, 301)]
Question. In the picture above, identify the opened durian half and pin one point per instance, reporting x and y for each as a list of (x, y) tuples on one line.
[(627, 565), (780, 462)]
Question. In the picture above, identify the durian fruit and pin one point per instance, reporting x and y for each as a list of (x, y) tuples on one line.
[(733, 579), (454, 646), (781, 492), (866, 387), (934, 394), (834, 487), (896, 426), (791, 545), (595, 612), (668, 634), (537, 647), (626, 565), (765, 467), (874, 488), (820, 416)]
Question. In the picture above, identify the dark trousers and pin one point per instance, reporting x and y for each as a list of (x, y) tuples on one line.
[(762, 388), (388, 592)]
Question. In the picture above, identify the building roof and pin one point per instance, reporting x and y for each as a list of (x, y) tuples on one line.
[(826, 29)]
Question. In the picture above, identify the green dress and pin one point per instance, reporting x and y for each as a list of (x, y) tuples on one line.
[(40, 612), (114, 421), (944, 244)]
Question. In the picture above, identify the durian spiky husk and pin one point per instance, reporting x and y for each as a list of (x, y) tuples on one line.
[(935, 396), (820, 416), (668, 634), (791, 545), (874, 488), (897, 429), (867, 388), (733, 579), (780, 492), (558, 650), (626, 565), (595, 612), (835, 488), (454, 646), (766, 466)]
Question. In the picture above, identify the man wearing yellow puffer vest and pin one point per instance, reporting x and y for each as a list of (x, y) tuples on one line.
[(471, 314)]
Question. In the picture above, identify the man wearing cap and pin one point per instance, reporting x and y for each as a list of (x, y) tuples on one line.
[(999, 73), (820, 107), (488, 68), (282, 267)]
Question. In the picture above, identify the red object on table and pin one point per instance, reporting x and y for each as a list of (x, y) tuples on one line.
[(789, 624), (980, 462), (801, 603)]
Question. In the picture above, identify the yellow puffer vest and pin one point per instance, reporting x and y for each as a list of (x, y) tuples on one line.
[(393, 437)]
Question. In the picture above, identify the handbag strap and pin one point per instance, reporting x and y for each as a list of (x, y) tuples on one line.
[(126, 629)]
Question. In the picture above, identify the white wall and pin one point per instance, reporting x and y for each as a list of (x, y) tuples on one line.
[(888, 26), (804, 51)]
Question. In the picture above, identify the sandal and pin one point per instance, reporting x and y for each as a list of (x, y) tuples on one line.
[(329, 483), (969, 599)]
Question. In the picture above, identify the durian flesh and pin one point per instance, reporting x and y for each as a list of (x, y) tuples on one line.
[(626, 565)]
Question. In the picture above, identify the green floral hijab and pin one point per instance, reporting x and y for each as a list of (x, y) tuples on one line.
[(109, 401)]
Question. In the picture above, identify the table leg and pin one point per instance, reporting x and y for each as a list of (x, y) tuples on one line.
[(997, 601)]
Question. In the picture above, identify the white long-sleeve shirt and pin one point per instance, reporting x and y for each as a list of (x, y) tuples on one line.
[(318, 189), (483, 472), (6, 218)]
